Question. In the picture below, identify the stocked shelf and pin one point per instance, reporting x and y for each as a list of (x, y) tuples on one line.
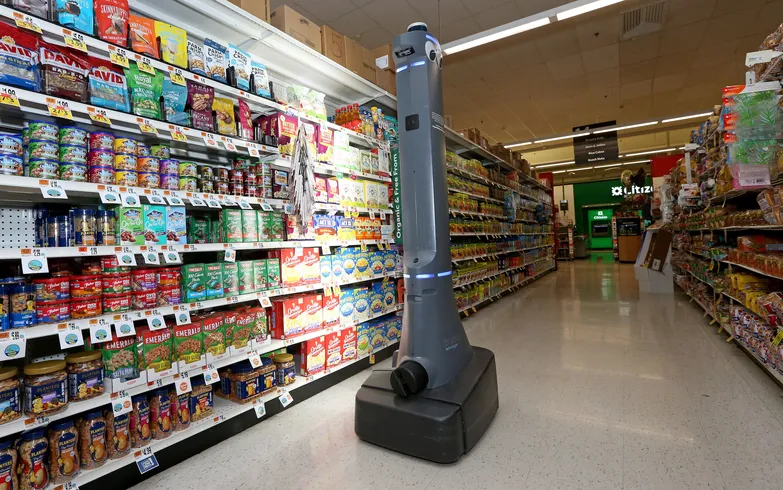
[(323, 169), (510, 288), (456, 212), (505, 271), (495, 255), (475, 196), (336, 208)]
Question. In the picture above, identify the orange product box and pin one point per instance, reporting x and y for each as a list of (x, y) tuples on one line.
[(288, 316), (348, 336), (334, 349), (331, 310), (314, 319), (312, 356)]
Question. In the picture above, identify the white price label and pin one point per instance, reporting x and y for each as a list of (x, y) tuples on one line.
[(129, 200), (121, 403), (286, 399), (145, 460), (70, 335), (13, 345), (123, 325), (197, 202), (34, 262), (151, 256), (182, 316), (230, 145), (757, 57), (298, 250), (211, 374), (253, 150), (326, 250), (255, 360), (182, 384), (265, 302), (126, 259), (172, 257), (109, 197), (753, 175), (213, 203), (155, 320), (210, 140), (266, 206), (230, 255), (175, 201), (53, 190), (260, 408), (244, 204), (155, 198), (100, 332)]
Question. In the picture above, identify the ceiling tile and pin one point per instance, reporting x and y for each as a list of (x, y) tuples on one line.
[(558, 44), (327, 10), (599, 32), (728, 6), (456, 70), (530, 7), (360, 3), (602, 58), (520, 53), (570, 66), (770, 16), (479, 6), (683, 12), (477, 90), (496, 16), (484, 63), (600, 81), (640, 49), (458, 29), (637, 72), (353, 23), (393, 16), (635, 90), (669, 65), (376, 37), (698, 91), (683, 38), (534, 78), (738, 23), (669, 82), (637, 109), (715, 53), (449, 12)]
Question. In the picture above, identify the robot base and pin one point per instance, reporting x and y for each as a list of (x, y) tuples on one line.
[(438, 425)]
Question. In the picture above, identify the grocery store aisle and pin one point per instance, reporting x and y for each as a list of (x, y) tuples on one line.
[(600, 388)]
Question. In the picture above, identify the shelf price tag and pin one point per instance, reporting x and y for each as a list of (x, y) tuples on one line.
[(197, 202), (213, 203), (175, 74), (121, 403), (129, 200), (8, 97), (74, 40), (255, 359), (59, 108), (230, 145), (266, 206), (177, 134), (286, 399), (244, 204), (154, 197), (98, 115), (13, 345), (211, 375), (145, 125), (123, 325), (145, 64), (172, 257), (260, 408), (34, 261), (265, 302), (155, 320), (209, 140), (70, 335), (230, 255), (145, 460), (108, 195), (182, 384), (182, 316), (150, 256), (251, 149), (118, 56), (126, 257), (26, 22), (175, 201), (100, 331)]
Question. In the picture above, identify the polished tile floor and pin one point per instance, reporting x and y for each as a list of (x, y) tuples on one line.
[(600, 387)]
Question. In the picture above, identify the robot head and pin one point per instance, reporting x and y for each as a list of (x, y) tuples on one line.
[(434, 54)]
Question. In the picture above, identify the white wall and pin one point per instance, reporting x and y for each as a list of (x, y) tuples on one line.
[(566, 192)]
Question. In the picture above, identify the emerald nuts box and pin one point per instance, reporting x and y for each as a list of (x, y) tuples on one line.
[(194, 283), (245, 275), (214, 280), (231, 225), (230, 278)]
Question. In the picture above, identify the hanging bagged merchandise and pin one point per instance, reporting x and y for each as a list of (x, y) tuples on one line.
[(239, 64), (142, 35), (200, 103), (19, 58), (303, 179), (196, 58), (175, 98), (260, 79), (108, 86), (216, 59), (145, 91), (63, 72), (173, 44), (111, 18), (75, 14)]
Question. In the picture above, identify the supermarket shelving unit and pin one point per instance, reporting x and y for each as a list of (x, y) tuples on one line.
[(565, 242)]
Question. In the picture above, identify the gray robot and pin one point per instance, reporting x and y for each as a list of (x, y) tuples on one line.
[(441, 395)]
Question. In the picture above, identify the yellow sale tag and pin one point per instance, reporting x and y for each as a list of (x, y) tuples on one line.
[(177, 134), (778, 338), (364, 247), (59, 108), (146, 126), (176, 76), (336, 289), (74, 40), (145, 64), (98, 115), (26, 22), (8, 97), (118, 56)]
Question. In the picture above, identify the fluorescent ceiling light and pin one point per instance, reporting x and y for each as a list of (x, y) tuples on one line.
[(609, 166), (683, 118), (636, 162), (649, 152), (559, 172), (641, 125), (589, 7), (495, 34), (519, 144), (570, 136), (579, 169), (553, 165)]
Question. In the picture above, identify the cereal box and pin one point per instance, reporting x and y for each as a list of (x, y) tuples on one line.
[(347, 306), (348, 257), (362, 339), (272, 273), (321, 193), (337, 269), (119, 358), (334, 349), (346, 229), (378, 334), (346, 192), (325, 264), (376, 298), (214, 280), (361, 302), (243, 329), (325, 144), (249, 225), (245, 276), (325, 227), (389, 261), (383, 195), (363, 270), (288, 317), (389, 291), (370, 194), (130, 226), (176, 225), (348, 347), (312, 356), (188, 343), (377, 258), (331, 310), (230, 225), (259, 274), (154, 224), (194, 283), (154, 349), (214, 331), (375, 163), (291, 260), (314, 319), (333, 191), (230, 278), (355, 160), (311, 269), (393, 329)]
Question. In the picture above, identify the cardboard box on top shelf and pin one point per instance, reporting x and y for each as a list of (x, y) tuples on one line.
[(333, 45), (387, 80), (259, 8), (471, 134), (484, 143), (384, 58), (353, 55), (297, 26), (368, 65)]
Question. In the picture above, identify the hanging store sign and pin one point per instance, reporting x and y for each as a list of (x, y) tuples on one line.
[(596, 148), (635, 189)]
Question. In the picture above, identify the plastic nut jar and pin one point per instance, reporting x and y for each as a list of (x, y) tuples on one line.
[(33, 454), (85, 375), (8, 461), (63, 451), (45, 388), (200, 403), (10, 395), (286, 369)]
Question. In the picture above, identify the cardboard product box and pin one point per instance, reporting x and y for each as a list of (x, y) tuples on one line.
[(325, 227), (130, 226), (311, 266), (348, 336), (334, 349), (297, 26), (290, 266), (376, 298), (368, 65), (314, 319), (362, 339), (333, 45), (154, 224), (331, 310), (386, 79), (230, 278), (325, 264), (312, 356), (260, 8), (384, 58), (214, 280), (176, 229), (246, 276), (353, 55), (361, 304), (347, 306), (287, 317), (260, 274), (272, 273), (194, 283)]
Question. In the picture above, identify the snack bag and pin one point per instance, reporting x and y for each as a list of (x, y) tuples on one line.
[(224, 114), (145, 91), (173, 44), (175, 98), (245, 121), (196, 58), (39, 8), (75, 14), (108, 86), (260, 79), (111, 17), (142, 35), (239, 62), (200, 103), (216, 59), (19, 58), (63, 72)]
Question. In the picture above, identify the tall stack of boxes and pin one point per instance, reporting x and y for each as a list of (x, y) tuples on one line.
[(385, 69)]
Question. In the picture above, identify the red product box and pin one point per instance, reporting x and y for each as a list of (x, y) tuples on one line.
[(401, 291), (331, 310), (311, 266), (334, 349), (314, 319), (288, 316), (291, 260), (312, 356), (348, 336)]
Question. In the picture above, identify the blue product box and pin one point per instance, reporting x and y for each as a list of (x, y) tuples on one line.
[(361, 302), (347, 306), (376, 298), (326, 269), (377, 259)]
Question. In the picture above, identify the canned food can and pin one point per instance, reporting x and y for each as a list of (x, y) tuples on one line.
[(73, 172), (169, 182), (125, 162), (148, 164), (189, 184), (42, 149), (149, 180), (126, 145), (169, 167), (73, 154), (101, 175), (43, 169), (71, 135), (101, 141), (126, 177), (42, 130)]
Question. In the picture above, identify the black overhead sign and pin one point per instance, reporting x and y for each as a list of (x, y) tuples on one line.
[(596, 148)]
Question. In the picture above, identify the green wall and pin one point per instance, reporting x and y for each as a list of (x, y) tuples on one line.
[(603, 215), (591, 193)]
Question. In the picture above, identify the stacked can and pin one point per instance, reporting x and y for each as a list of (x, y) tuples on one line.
[(221, 180), (264, 180), (72, 154), (100, 160), (169, 174), (11, 154), (126, 161), (206, 179), (149, 172), (41, 150)]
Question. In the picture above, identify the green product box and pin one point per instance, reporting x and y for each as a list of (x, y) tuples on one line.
[(130, 226), (263, 231), (194, 283), (154, 224), (245, 277), (214, 281), (249, 225), (272, 273), (271, 226), (259, 274), (230, 225), (198, 230), (230, 278)]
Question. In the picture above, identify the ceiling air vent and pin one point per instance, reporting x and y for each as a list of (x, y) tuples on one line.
[(644, 20)]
